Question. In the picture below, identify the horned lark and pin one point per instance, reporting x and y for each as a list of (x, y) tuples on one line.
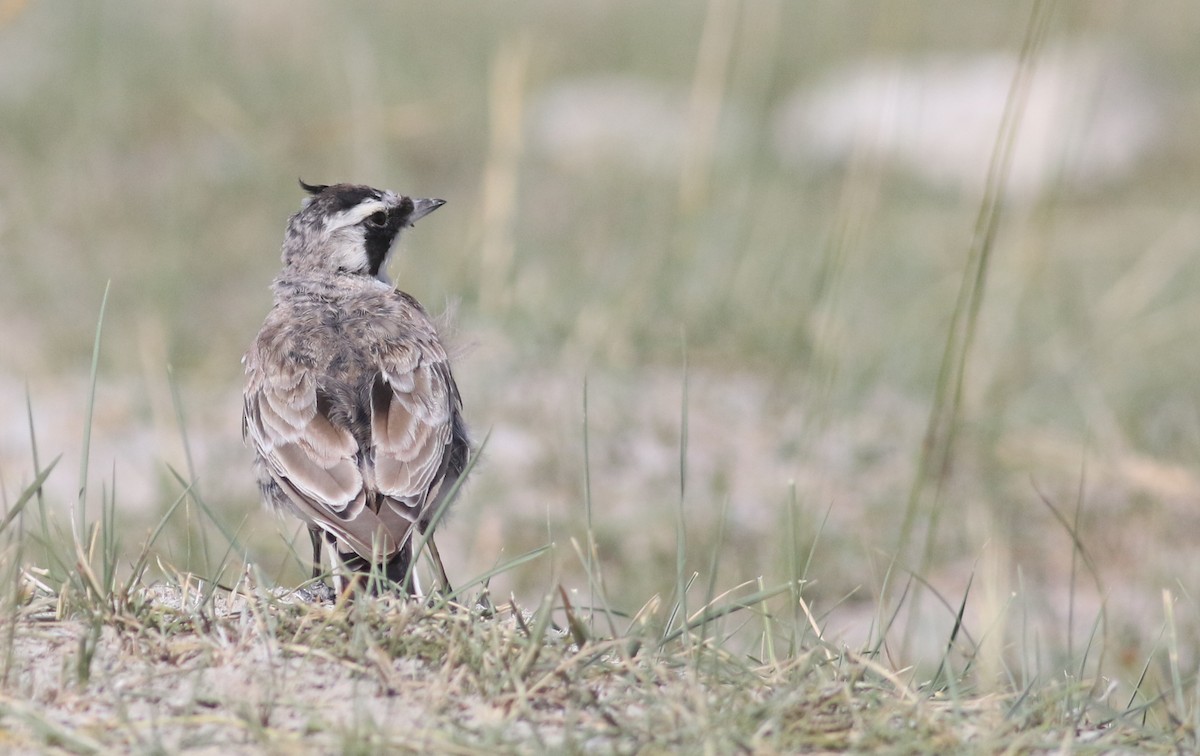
[(350, 406)]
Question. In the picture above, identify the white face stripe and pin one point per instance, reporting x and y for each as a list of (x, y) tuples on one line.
[(345, 238), (338, 240), (359, 212)]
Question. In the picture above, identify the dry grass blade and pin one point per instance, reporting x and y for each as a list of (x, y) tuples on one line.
[(579, 631)]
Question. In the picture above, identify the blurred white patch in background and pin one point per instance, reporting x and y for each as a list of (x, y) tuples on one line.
[(626, 121), (1090, 117), (26, 62)]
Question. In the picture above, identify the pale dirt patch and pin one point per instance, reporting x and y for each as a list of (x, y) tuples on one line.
[(255, 674), (236, 687)]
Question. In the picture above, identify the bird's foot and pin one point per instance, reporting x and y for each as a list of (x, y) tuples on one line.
[(318, 592)]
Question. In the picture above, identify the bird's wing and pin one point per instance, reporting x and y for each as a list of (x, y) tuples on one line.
[(312, 459), (412, 416)]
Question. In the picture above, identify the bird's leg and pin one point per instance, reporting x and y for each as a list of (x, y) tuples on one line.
[(314, 535), (342, 579), (438, 567)]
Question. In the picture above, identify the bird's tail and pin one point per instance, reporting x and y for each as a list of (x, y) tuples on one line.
[(399, 570), (380, 579)]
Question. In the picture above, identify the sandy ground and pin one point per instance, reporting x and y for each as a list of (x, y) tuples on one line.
[(234, 689)]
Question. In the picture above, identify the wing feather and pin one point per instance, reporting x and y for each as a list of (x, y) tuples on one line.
[(311, 458), (411, 422)]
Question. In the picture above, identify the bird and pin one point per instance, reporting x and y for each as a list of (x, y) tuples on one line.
[(350, 405)]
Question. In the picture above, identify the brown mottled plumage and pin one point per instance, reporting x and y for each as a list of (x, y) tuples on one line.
[(350, 405)]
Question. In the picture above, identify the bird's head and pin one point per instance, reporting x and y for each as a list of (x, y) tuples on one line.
[(350, 229)]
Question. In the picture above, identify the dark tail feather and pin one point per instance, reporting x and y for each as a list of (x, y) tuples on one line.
[(398, 566), (395, 571)]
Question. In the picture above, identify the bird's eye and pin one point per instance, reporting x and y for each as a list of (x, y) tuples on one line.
[(378, 218)]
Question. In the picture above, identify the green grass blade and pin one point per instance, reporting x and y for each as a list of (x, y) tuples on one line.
[(714, 613), (32, 490), (79, 522), (440, 512), (501, 568)]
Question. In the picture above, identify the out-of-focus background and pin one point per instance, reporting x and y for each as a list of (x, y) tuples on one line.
[(760, 210)]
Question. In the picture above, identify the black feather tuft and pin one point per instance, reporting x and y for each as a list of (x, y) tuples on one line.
[(313, 189)]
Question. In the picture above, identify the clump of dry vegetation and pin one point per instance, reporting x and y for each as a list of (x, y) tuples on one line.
[(178, 665), (97, 656)]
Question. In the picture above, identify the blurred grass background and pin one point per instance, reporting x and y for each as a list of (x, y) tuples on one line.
[(625, 187)]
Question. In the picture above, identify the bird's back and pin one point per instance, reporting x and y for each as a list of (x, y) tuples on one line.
[(366, 363), (345, 336)]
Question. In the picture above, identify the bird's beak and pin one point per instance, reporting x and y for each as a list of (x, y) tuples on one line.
[(423, 207)]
